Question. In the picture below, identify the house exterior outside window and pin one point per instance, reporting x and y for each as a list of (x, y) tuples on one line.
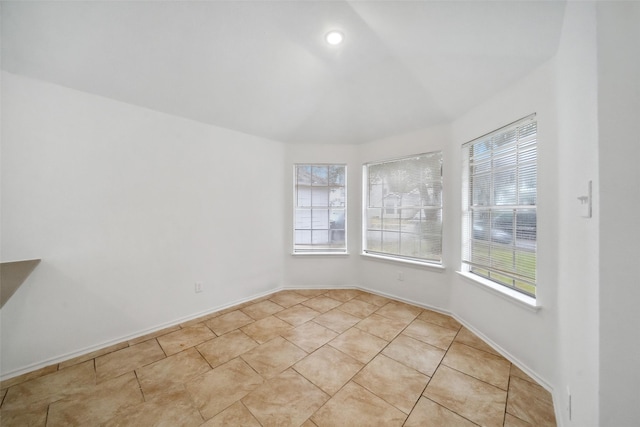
[(499, 206), (402, 219), (320, 209)]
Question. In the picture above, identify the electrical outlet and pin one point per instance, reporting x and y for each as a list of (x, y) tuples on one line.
[(198, 287), (400, 276)]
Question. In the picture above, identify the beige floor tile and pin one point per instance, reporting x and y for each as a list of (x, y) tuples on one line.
[(415, 354), (155, 334), (358, 344), (273, 357), (479, 364), (392, 381), (382, 327), (119, 362), (34, 415), (440, 319), (530, 402), (430, 333), (262, 309), (310, 336), (399, 311), (229, 322), (353, 405), (517, 372), (328, 368), (185, 338), (467, 337), (401, 351), (374, 299), (511, 421), (266, 329), (297, 315), (92, 355), (288, 399), (229, 346), (322, 303), (98, 405), (310, 293), (28, 376), (171, 373), (167, 410), (236, 415), (343, 295), (46, 389), (221, 387), (337, 320), (428, 413), (288, 298), (358, 308), (467, 396)]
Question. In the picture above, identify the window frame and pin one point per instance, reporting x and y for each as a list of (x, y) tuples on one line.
[(517, 246), (320, 250), (386, 209)]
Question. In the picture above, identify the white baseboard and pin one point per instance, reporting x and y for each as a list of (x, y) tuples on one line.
[(86, 350)]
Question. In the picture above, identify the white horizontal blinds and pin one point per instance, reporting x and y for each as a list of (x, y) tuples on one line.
[(320, 208), (403, 215), (500, 196)]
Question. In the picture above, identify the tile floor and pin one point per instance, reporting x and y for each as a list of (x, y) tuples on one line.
[(295, 358)]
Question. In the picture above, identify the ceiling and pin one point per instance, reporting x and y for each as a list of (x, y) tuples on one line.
[(264, 68)]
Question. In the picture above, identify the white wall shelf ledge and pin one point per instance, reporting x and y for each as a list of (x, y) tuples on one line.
[(12, 275)]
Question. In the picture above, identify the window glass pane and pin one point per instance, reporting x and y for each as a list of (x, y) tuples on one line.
[(499, 224), (336, 175), (391, 242), (303, 237), (319, 228), (303, 219), (374, 218), (319, 196), (481, 225), (481, 188), (527, 185), (320, 237), (320, 219), (374, 240), (337, 196), (336, 226), (502, 226), (398, 194), (320, 175), (504, 188)]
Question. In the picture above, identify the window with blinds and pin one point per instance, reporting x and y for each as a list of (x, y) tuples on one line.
[(499, 202), (320, 208), (403, 208)]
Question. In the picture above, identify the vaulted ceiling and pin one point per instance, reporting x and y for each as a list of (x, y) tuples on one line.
[(264, 68)]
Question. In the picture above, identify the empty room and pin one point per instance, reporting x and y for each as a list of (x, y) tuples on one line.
[(319, 213)]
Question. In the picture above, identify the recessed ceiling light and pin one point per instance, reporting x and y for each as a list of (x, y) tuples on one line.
[(334, 37)]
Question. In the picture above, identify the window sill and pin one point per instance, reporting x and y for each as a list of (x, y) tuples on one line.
[(502, 291), (345, 254), (430, 265)]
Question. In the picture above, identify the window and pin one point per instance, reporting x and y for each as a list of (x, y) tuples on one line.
[(320, 211), (403, 208), (499, 202)]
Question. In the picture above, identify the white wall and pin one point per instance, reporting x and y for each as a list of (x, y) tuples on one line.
[(127, 208), (527, 336), (422, 285), (577, 330), (619, 129)]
